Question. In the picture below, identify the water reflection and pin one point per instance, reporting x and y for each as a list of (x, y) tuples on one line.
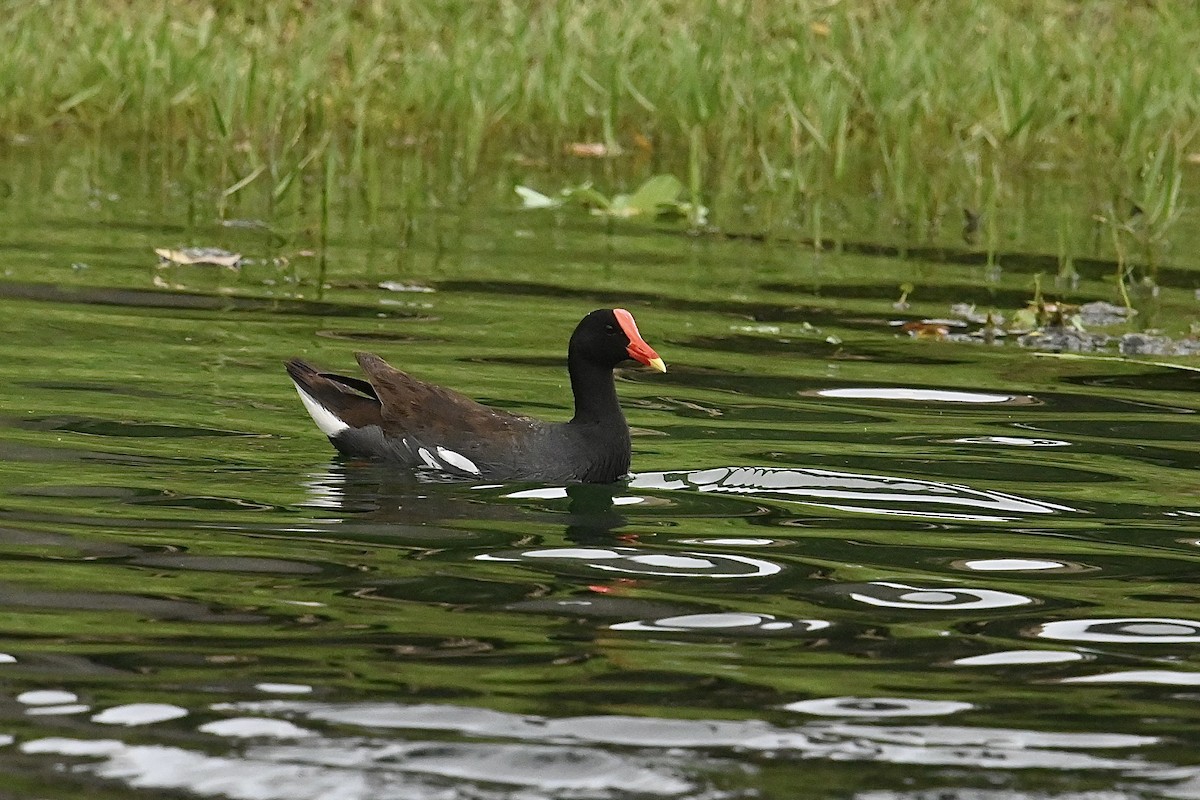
[(642, 561), (382, 498), (916, 395), (46, 697), (22, 596), (1012, 565), (724, 623), (51, 703), (848, 491), (161, 555), (1160, 676), (900, 595), (284, 688), (139, 714), (403, 496), (739, 541), (1019, 658), (255, 728), (298, 750), (877, 707), (57, 710), (1130, 630), (1011, 441)]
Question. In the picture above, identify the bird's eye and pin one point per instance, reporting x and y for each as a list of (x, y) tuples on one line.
[(610, 328)]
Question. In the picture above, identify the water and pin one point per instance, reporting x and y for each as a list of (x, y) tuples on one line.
[(850, 563)]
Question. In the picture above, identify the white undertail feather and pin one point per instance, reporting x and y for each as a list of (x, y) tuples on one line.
[(429, 460), (329, 423)]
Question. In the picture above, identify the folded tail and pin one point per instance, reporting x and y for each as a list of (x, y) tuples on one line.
[(335, 402)]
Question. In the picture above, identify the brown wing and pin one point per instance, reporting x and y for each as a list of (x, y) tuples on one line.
[(410, 405)]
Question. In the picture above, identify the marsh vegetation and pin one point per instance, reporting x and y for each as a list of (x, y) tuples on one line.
[(1071, 123)]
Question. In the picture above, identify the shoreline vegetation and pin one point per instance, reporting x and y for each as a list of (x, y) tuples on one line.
[(940, 116)]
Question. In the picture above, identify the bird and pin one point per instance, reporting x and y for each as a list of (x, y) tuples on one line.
[(392, 416)]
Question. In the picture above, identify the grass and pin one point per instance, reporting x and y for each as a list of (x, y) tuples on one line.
[(817, 110)]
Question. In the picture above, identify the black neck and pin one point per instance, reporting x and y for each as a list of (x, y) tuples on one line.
[(595, 394)]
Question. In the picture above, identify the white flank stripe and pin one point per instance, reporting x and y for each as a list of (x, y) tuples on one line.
[(329, 423), (457, 460)]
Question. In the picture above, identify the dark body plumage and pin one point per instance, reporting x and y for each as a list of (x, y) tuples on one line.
[(401, 419)]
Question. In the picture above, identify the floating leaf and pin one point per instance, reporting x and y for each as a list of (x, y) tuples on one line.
[(696, 215), (531, 198), (656, 193), (397, 286), (1024, 319), (586, 195), (927, 329), (659, 195), (592, 150), (200, 255)]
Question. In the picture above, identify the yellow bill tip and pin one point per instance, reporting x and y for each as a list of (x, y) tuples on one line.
[(657, 363)]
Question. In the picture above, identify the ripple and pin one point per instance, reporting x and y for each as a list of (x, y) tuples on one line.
[(139, 714), (593, 554), (546, 493), (357, 770), (46, 697), (93, 426), (63, 746), (1162, 676), (1011, 441), (284, 688), (367, 336), (877, 707), (599, 606), (857, 741), (201, 502), (1132, 630), (900, 595), (925, 395), (727, 622), (600, 757), (1010, 565), (849, 491), (635, 561), (57, 710), (201, 563), (254, 728), (1019, 657), (12, 594), (732, 541)]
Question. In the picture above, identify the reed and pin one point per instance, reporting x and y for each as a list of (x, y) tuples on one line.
[(922, 109)]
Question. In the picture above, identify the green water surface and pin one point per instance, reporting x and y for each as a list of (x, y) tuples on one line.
[(850, 563)]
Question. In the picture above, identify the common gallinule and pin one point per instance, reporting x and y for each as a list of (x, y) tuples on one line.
[(398, 418)]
